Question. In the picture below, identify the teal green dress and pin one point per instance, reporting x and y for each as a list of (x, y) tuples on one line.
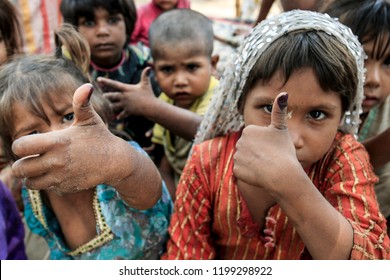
[(123, 232)]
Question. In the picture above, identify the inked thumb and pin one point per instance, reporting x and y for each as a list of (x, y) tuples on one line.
[(279, 111), (82, 107)]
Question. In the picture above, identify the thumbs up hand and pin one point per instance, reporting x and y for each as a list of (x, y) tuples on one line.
[(70, 159), (266, 155)]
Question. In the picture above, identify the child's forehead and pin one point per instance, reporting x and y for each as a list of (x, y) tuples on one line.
[(378, 47), (186, 47)]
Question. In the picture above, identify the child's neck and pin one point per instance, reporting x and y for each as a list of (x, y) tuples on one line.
[(108, 63), (75, 215)]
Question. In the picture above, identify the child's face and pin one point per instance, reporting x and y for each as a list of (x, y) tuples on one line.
[(166, 5), (377, 84), (314, 114), (183, 76), (106, 35), (59, 116)]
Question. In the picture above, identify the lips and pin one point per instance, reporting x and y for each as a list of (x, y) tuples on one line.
[(182, 96), (104, 47), (369, 102)]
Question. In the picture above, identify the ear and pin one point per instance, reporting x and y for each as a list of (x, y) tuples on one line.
[(153, 66), (214, 61)]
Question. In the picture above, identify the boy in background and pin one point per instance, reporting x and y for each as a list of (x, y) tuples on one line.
[(184, 68)]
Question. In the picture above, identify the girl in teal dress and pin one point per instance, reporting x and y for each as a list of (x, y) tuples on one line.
[(89, 193)]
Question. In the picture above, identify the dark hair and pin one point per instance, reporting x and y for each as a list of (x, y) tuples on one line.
[(72, 10), (33, 78), (181, 26), (10, 29), (368, 19), (333, 64)]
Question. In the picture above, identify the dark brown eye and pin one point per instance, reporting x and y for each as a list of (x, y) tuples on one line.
[(317, 115), (68, 117)]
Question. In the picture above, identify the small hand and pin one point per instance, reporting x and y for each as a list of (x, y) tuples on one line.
[(70, 159), (129, 99), (265, 154)]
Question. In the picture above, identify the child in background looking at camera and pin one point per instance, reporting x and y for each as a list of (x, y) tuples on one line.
[(147, 13), (275, 172), (107, 26), (373, 31), (113, 212), (183, 64)]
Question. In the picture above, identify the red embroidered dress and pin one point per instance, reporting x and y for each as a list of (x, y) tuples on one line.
[(211, 220)]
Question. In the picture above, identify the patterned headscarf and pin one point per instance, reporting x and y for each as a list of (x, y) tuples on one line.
[(223, 115)]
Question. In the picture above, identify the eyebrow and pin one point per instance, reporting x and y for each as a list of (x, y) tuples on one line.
[(263, 99), (22, 130), (328, 107), (322, 106), (61, 109)]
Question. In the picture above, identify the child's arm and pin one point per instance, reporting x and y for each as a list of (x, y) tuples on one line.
[(265, 7), (326, 233), (166, 172), (84, 155), (379, 149), (140, 100)]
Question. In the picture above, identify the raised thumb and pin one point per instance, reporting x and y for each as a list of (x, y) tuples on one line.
[(145, 80), (279, 111), (82, 107)]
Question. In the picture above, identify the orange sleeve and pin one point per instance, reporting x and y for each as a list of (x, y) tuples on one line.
[(350, 190)]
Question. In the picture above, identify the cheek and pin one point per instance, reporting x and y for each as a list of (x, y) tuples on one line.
[(165, 84), (201, 85), (320, 143), (256, 117), (3, 53), (86, 33)]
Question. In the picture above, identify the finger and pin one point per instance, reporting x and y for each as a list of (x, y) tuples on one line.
[(35, 144), (113, 96), (40, 182), (119, 86), (145, 81), (279, 111), (117, 107), (84, 113), (149, 133), (27, 167), (121, 115)]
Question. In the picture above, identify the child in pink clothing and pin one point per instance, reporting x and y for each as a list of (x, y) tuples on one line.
[(147, 13)]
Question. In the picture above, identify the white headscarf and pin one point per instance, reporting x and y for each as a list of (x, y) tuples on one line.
[(223, 115)]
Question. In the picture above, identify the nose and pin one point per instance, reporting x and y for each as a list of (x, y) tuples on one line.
[(181, 79), (296, 133), (102, 29), (373, 79)]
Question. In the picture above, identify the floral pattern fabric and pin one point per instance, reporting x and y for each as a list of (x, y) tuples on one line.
[(137, 234)]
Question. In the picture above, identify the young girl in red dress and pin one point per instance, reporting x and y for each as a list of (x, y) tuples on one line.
[(276, 171)]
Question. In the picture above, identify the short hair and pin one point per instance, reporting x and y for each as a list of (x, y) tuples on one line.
[(182, 25), (10, 29), (333, 64), (72, 10), (368, 19)]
